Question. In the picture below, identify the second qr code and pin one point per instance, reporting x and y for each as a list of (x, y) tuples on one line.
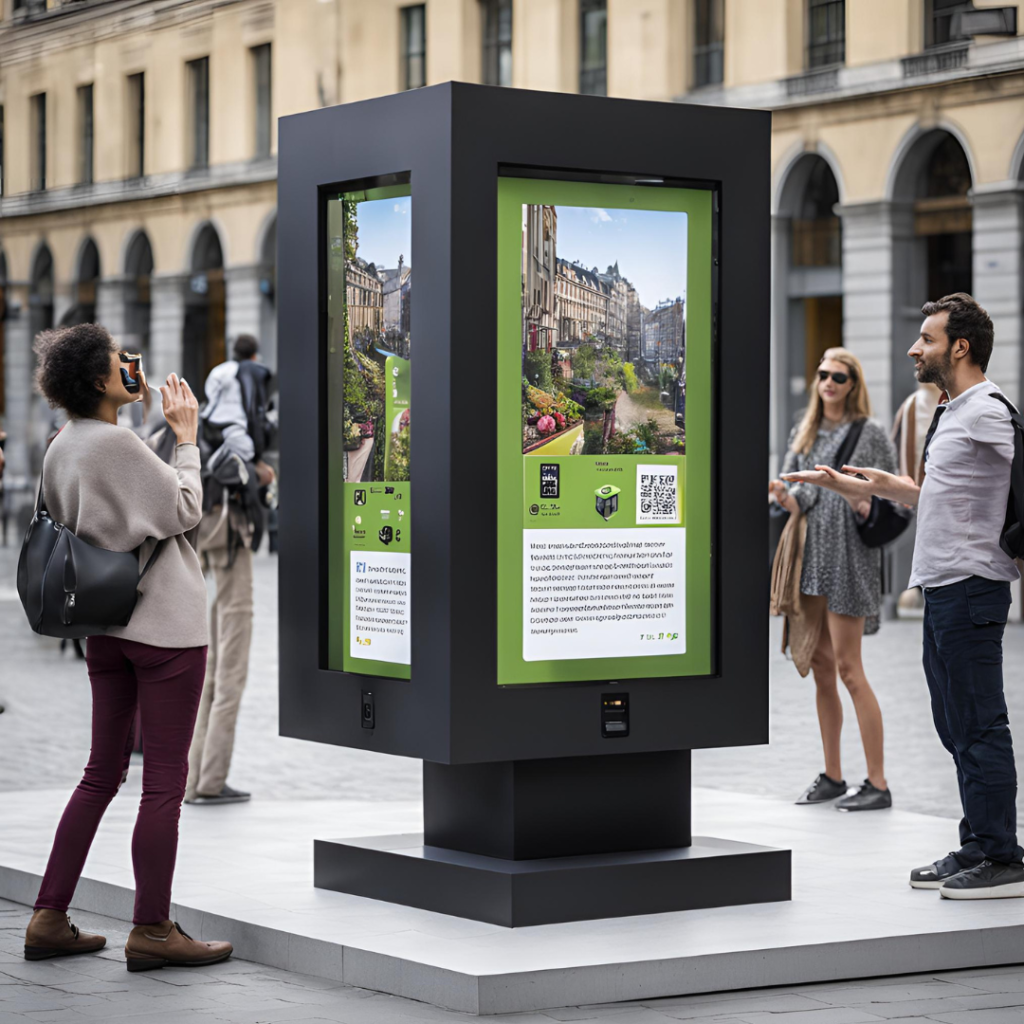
[(657, 494)]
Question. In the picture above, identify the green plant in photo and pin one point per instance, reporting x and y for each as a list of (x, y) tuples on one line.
[(648, 433), (629, 380), (537, 368), (400, 445), (622, 442), (593, 441)]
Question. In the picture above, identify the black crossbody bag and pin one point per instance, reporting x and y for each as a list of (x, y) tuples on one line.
[(70, 588), (886, 521)]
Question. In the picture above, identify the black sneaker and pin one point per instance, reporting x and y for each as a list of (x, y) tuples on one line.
[(867, 798), (932, 876), (226, 796), (821, 790), (988, 880)]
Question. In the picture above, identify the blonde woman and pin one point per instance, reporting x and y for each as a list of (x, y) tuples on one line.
[(838, 565)]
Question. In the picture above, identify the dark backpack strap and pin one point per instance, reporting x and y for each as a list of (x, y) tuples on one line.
[(849, 445), (1012, 540), (152, 558)]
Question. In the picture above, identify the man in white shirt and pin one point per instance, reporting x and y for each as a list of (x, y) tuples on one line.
[(966, 576)]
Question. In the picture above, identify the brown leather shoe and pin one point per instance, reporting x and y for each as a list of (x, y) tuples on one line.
[(151, 946), (50, 933)]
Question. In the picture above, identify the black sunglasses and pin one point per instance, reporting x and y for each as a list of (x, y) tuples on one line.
[(839, 378)]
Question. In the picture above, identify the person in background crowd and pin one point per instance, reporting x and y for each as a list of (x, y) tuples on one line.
[(966, 576), (235, 435), (842, 573), (111, 490)]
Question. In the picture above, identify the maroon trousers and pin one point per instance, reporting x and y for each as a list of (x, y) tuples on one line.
[(165, 684)]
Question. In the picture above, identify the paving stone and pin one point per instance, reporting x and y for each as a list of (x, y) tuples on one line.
[(908, 1007), (1001, 1016), (728, 1003), (826, 1015)]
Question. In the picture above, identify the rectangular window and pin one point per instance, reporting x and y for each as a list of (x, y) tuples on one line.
[(264, 122), (199, 105), (497, 42), (708, 42), (37, 126), (136, 133), (826, 32), (943, 21), (594, 47), (414, 46), (85, 135)]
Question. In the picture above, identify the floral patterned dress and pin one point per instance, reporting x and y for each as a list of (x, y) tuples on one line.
[(837, 563)]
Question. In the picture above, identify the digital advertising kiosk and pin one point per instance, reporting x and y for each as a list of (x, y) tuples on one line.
[(524, 397)]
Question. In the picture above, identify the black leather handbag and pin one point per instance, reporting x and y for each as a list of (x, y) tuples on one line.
[(70, 588), (886, 521)]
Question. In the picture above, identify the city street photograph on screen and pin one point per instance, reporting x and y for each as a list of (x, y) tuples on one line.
[(603, 331)]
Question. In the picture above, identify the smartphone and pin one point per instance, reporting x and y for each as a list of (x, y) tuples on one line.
[(131, 363)]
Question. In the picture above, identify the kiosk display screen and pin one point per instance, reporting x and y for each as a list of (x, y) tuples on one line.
[(369, 352), (604, 431)]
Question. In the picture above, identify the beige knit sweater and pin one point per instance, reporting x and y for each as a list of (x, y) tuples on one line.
[(110, 489)]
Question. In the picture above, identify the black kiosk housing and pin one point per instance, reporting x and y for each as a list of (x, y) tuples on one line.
[(552, 802)]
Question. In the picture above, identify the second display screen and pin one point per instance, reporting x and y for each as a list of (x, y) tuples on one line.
[(604, 447)]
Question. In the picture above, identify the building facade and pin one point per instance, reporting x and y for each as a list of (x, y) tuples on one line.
[(138, 160)]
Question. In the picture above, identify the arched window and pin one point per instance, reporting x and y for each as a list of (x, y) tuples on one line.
[(204, 335)]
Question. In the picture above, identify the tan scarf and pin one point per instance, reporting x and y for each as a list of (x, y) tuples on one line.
[(804, 614)]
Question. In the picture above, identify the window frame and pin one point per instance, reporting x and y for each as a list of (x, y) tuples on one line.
[(830, 51), (496, 43), (593, 79), (407, 55), (263, 100), (708, 53), (86, 111), (931, 16), (135, 87), (37, 122), (198, 71)]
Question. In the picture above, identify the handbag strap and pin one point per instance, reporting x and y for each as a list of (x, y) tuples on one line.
[(152, 558), (849, 445), (41, 507)]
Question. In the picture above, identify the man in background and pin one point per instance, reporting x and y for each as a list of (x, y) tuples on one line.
[(234, 432)]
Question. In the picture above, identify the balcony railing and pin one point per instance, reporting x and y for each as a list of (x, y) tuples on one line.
[(813, 82), (935, 61)]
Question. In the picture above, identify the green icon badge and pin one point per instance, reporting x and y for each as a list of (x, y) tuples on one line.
[(607, 503)]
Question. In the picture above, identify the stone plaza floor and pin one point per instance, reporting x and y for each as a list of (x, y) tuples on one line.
[(44, 743)]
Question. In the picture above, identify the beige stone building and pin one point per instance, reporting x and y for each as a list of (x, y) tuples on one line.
[(138, 155)]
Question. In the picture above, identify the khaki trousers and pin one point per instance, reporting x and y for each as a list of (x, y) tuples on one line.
[(227, 669)]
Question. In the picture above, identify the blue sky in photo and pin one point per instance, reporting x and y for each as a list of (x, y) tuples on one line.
[(650, 247), (385, 231)]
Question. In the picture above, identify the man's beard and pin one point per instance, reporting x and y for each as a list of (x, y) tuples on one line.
[(938, 372)]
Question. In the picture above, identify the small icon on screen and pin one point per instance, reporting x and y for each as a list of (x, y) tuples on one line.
[(360, 497), (385, 534), (360, 567)]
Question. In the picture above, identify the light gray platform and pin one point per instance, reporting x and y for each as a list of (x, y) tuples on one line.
[(245, 873)]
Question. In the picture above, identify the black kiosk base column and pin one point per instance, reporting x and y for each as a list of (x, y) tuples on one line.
[(520, 843)]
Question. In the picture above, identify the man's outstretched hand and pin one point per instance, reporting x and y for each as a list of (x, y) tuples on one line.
[(857, 483)]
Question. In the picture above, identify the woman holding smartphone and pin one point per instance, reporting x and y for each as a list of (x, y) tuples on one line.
[(110, 489), (838, 565)]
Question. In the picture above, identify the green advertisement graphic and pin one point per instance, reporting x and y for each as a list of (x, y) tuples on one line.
[(596, 492), (369, 344), (396, 414)]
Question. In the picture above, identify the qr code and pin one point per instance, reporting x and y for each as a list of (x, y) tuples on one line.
[(657, 490)]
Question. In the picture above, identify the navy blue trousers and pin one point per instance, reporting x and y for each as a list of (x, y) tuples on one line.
[(963, 661)]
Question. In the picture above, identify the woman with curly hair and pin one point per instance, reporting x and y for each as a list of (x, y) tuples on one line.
[(110, 489)]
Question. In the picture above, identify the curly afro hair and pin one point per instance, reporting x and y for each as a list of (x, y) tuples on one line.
[(71, 360)]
